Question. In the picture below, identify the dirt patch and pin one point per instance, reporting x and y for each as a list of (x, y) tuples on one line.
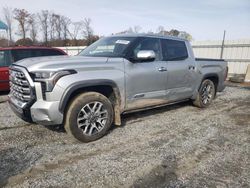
[(162, 175), (242, 119)]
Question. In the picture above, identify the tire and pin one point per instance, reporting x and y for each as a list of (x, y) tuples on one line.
[(89, 117), (206, 94)]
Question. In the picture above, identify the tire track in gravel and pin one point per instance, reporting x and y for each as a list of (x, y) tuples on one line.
[(72, 159)]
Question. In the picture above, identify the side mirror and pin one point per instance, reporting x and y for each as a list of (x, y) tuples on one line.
[(146, 55)]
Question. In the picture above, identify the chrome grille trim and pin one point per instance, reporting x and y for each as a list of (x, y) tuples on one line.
[(21, 86)]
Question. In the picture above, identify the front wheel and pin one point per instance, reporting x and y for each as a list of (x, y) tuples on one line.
[(205, 95), (89, 116)]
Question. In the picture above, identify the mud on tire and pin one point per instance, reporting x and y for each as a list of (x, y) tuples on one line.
[(206, 94), (89, 116)]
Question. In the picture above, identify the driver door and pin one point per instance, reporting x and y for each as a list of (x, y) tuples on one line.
[(146, 80)]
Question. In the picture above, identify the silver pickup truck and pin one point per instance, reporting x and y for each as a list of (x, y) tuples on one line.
[(87, 93)]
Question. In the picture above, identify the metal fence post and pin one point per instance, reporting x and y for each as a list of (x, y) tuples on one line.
[(222, 45)]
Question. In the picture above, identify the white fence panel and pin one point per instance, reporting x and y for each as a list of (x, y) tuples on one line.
[(236, 52)]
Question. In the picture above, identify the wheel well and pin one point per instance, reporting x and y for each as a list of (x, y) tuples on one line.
[(214, 79), (108, 91)]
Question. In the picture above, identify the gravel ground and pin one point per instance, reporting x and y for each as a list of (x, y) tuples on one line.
[(174, 146)]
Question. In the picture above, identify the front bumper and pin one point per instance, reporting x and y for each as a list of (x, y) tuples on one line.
[(24, 114), (41, 112), (46, 113), (27, 101)]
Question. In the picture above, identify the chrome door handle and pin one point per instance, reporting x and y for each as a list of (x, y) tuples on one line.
[(162, 69)]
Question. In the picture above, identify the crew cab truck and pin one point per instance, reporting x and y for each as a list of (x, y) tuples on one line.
[(115, 75), (13, 54)]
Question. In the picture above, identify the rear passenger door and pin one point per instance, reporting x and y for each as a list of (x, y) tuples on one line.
[(180, 77)]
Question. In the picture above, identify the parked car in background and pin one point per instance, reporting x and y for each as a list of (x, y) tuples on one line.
[(14, 54)]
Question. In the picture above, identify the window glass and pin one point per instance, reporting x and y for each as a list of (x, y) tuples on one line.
[(5, 58), (108, 47), (26, 53), (45, 52), (174, 50), (51, 52), (149, 44), (21, 54), (2, 60), (37, 52)]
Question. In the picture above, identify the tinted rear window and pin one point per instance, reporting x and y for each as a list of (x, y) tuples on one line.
[(47, 52), (174, 50), (20, 54)]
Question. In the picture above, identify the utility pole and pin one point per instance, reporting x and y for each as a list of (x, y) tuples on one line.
[(8, 39), (222, 45)]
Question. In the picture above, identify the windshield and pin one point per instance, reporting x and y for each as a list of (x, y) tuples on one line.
[(108, 47), (5, 58)]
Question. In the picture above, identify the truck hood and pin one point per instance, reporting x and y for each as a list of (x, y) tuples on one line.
[(55, 63)]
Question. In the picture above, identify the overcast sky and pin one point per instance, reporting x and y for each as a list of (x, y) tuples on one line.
[(204, 20)]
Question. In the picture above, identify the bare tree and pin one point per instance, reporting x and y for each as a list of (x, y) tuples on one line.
[(185, 35), (65, 21), (33, 28), (160, 30), (136, 29), (55, 26), (76, 27), (87, 30), (8, 16), (22, 17), (58, 25), (174, 32), (52, 26), (44, 16)]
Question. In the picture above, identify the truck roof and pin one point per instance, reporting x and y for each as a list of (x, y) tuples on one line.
[(150, 35)]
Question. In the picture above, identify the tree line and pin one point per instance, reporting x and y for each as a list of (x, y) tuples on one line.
[(48, 28)]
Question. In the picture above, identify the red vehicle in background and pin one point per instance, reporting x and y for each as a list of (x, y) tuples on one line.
[(13, 54)]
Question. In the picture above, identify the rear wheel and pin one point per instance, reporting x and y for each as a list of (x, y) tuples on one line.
[(89, 116), (206, 94)]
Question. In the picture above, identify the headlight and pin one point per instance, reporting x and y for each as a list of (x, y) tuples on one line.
[(50, 78)]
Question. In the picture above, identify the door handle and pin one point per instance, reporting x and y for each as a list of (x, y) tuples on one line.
[(191, 67), (162, 69)]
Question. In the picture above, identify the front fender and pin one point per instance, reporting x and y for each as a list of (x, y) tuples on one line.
[(83, 84)]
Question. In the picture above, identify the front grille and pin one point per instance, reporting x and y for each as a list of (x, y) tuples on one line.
[(19, 86)]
